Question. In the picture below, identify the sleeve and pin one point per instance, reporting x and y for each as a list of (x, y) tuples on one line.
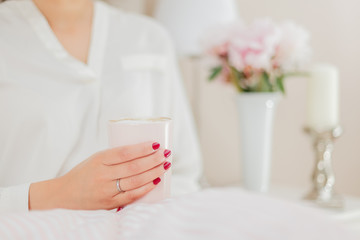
[(187, 159), (14, 199)]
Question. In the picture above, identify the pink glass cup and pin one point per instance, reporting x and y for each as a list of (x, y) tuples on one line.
[(130, 131)]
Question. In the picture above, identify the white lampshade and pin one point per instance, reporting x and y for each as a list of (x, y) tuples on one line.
[(186, 20)]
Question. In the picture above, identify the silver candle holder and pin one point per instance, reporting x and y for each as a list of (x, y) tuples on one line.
[(323, 177)]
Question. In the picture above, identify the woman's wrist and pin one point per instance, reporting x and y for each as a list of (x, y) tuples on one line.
[(45, 195)]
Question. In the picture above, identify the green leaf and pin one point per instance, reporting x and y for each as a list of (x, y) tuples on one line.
[(280, 83), (239, 75), (215, 72), (265, 84), (236, 78)]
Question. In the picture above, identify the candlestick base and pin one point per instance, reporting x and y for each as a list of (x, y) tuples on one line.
[(325, 199), (323, 177)]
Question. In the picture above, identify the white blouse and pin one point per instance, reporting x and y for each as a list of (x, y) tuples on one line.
[(54, 109)]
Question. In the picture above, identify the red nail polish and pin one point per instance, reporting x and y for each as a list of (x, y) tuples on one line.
[(167, 153), (119, 209), (167, 165), (156, 181), (156, 146)]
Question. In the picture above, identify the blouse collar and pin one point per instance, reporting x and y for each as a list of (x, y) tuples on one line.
[(99, 34)]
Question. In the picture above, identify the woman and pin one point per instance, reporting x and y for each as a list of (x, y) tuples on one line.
[(66, 67)]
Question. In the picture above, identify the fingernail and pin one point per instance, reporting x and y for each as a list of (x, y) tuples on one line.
[(119, 209), (156, 145), (156, 181), (167, 153), (167, 165)]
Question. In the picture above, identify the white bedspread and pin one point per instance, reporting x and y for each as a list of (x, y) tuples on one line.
[(211, 214)]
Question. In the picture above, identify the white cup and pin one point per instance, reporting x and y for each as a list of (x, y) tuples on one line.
[(129, 131)]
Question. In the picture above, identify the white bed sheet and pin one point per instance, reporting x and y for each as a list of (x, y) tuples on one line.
[(211, 214)]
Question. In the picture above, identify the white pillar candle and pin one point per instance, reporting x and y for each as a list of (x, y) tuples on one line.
[(323, 98)]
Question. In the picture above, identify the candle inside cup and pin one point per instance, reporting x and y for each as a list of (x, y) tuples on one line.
[(323, 98), (130, 131)]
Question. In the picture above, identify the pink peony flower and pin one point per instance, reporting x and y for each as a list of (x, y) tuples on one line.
[(293, 49), (254, 45), (262, 53)]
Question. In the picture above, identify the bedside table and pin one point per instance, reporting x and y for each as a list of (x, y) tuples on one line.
[(349, 215)]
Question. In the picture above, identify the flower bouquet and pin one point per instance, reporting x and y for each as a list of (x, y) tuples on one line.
[(257, 57)]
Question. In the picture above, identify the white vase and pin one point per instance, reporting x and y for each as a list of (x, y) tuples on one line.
[(256, 114)]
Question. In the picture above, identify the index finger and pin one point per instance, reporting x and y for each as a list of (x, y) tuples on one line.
[(127, 153)]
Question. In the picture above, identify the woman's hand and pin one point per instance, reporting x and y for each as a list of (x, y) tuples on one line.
[(92, 183)]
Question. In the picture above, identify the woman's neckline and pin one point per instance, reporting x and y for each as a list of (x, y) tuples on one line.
[(98, 38), (70, 22)]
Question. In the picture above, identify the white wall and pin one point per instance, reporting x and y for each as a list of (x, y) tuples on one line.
[(335, 29)]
